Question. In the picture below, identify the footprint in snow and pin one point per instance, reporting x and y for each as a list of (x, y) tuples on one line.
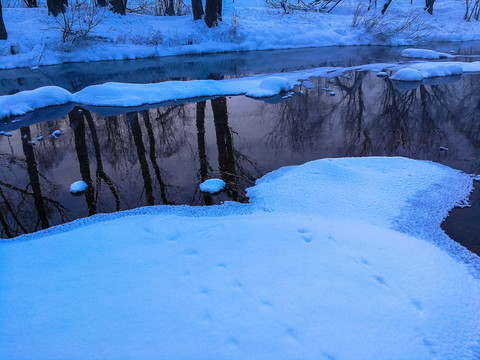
[(305, 235)]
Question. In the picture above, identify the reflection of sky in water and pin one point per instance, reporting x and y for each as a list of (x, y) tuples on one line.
[(160, 155)]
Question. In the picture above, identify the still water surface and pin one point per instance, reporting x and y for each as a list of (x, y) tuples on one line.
[(161, 155)]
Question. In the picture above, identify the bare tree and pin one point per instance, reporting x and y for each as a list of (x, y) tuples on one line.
[(31, 3), (3, 30), (213, 12), (429, 6), (56, 7), (197, 9), (119, 6)]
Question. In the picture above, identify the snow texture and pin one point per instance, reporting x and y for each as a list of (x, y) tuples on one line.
[(314, 267), (26, 101), (247, 25), (78, 187), (212, 186), (425, 54)]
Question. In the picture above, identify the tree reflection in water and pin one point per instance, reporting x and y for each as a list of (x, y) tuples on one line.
[(161, 155)]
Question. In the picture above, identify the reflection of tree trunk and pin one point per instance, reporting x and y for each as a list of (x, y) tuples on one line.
[(153, 159), (33, 176), (137, 137), (226, 160), (202, 152), (10, 209), (5, 226), (101, 174), (78, 124)]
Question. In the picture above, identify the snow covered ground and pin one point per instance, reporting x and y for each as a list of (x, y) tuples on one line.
[(248, 25), (322, 264)]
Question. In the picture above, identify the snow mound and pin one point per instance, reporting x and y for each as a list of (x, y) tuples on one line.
[(424, 54), (212, 186), (315, 258), (471, 67), (78, 187), (270, 86), (420, 71), (407, 74), (26, 101), (432, 69), (313, 267)]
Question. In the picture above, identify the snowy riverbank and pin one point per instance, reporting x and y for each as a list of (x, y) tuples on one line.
[(131, 95), (247, 25), (316, 265)]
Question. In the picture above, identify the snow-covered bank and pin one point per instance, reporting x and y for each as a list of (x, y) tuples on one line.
[(130, 95), (311, 268), (247, 25)]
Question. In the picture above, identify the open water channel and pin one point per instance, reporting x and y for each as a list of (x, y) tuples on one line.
[(160, 155)]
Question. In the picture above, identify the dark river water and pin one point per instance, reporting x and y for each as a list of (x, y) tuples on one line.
[(160, 155)]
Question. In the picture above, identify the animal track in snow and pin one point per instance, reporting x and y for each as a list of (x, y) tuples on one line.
[(305, 235)]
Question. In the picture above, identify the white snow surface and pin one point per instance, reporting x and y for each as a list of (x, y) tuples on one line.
[(315, 266), (407, 74), (26, 101), (425, 54), (78, 187), (420, 71), (247, 25), (212, 186)]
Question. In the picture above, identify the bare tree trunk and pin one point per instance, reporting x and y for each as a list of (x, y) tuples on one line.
[(385, 7), (56, 7), (170, 10), (31, 3), (197, 9), (213, 12), (3, 30), (429, 6), (119, 6)]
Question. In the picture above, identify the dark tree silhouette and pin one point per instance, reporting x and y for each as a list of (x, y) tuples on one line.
[(153, 159), (77, 122), (34, 177), (429, 6), (213, 12), (226, 157), (31, 3), (170, 10), (119, 6), (3, 30), (202, 151), (56, 7), (197, 9), (142, 155), (101, 174)]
